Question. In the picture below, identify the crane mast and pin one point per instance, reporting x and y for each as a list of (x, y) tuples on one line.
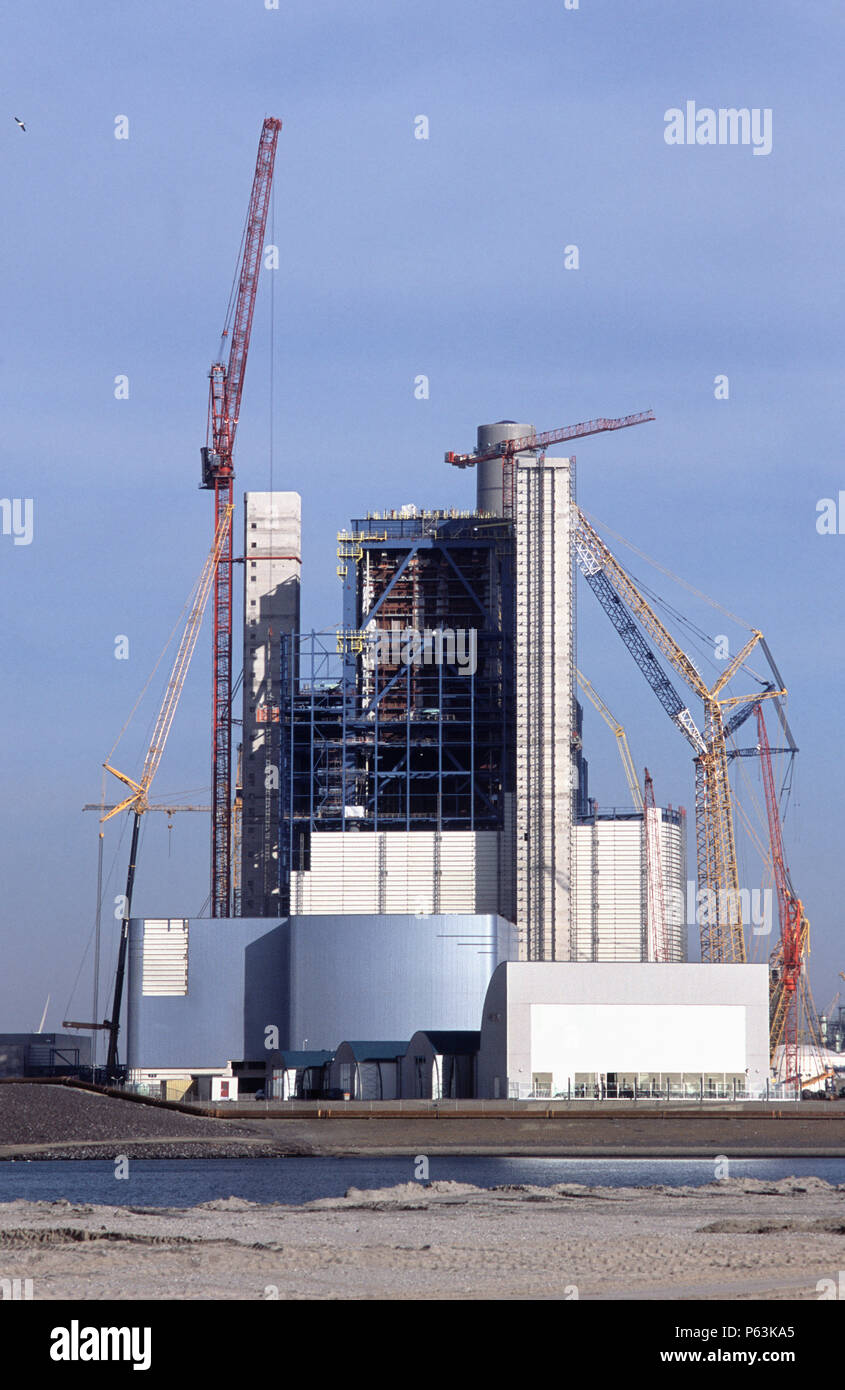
[(794, 927), (621, 738), (225, 391)]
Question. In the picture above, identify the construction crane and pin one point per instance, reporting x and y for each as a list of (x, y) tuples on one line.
[(224, 404), (722, 936), (656, 928), (786, 961), (507, 449), (621, 738), (138, 800)]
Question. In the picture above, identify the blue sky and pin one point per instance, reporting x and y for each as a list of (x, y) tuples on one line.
[(400, 257)]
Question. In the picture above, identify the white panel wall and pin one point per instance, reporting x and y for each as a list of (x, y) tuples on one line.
[(399, 872), (165, 959), (570, 1038), (611, 927), (552, 1017)]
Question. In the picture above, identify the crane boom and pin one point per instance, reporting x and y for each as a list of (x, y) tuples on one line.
[(722, 937), (590, 545), (175, 685), (225, 392), (621, 738), (637, 646), (507, 449), (540, 442)]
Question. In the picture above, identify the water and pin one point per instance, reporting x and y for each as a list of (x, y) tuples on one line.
[(187, 1182)]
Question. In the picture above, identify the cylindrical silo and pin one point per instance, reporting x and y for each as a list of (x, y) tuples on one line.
[(489, 479)]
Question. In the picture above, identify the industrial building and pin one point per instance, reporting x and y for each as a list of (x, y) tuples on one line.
[(552, 1029), (412, 812), (44, 1054), (415, 806), (209, 991)]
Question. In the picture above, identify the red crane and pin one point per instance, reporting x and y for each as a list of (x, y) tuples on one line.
[(224, 404), (786, 960), (507, 448)]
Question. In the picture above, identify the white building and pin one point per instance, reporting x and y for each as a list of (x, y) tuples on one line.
[(559, 1028)]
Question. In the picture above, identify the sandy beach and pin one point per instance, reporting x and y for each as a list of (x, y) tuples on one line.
[(736, 1239)]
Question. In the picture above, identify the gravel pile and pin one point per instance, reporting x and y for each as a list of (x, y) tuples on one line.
[(55, 1115)]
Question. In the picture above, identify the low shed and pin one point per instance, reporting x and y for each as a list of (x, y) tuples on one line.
[(440, 1065), (368, 1070)]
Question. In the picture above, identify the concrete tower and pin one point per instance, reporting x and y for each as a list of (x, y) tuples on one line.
[(543, 820), (272, 564), (546, 751)]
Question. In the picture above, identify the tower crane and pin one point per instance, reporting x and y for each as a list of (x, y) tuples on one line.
[(621, 738), (507, 449), (224, 404), (138, 800), (722, 937)]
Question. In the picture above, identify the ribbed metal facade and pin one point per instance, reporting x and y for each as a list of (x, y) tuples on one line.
[(610, 888), (165, 956), (400, 872)]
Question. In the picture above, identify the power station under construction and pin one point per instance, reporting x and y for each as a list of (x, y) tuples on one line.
[(406, 848)]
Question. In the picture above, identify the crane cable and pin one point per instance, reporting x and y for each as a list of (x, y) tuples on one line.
[(676, 578), (187, 604)]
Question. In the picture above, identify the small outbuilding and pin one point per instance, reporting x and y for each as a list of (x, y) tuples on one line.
[(367, 1070), (440, 1065), (297, 1075), (44, 1054)]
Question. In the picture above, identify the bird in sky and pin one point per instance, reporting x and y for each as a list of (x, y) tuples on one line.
[(20, 123)]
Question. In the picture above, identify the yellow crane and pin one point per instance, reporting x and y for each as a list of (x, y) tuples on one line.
[(722, 936), (621, 738), (138, 800)]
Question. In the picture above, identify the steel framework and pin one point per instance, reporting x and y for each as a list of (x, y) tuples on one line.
[(382, 725)]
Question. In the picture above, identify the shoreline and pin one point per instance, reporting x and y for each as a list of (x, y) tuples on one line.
[(40, 1121), (94, 1150)]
